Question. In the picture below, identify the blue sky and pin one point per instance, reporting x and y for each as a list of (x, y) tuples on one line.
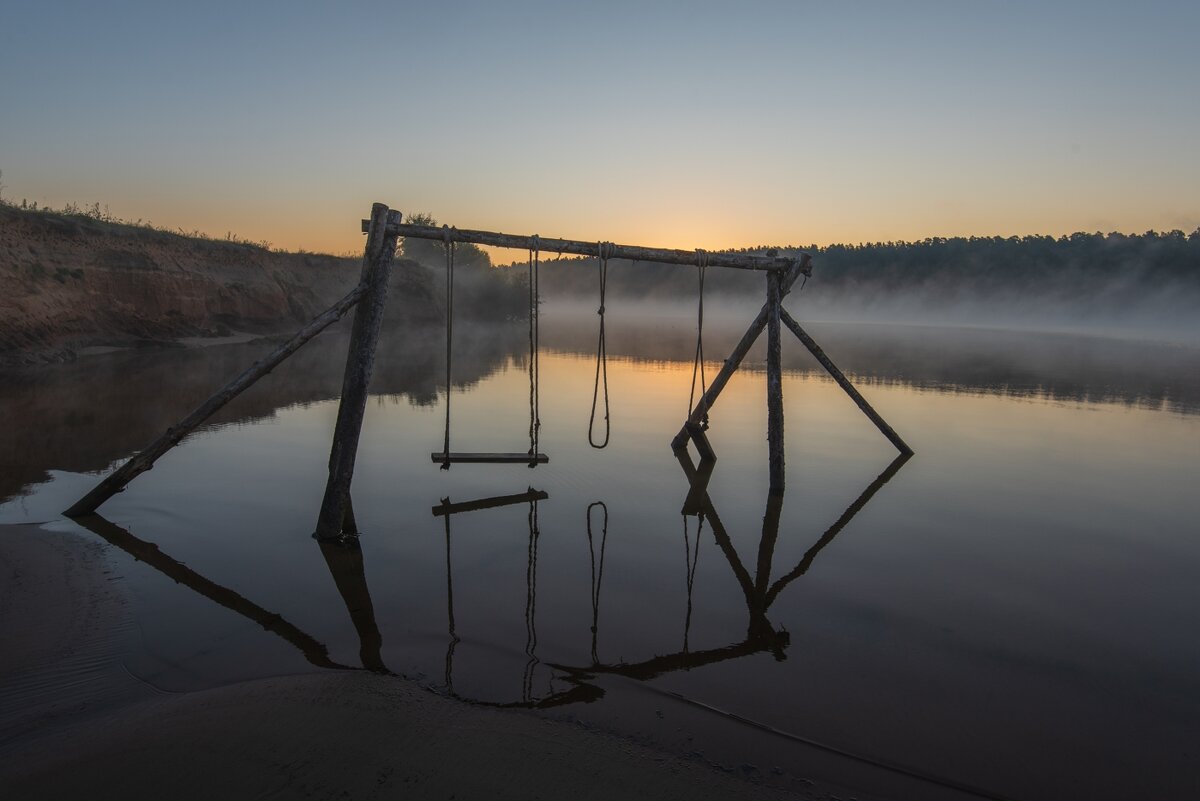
[(680, 124)]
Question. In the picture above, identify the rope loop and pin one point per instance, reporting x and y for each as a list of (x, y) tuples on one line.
[(597, 574)]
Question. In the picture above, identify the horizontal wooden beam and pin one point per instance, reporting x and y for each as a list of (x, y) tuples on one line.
[(738, 261)]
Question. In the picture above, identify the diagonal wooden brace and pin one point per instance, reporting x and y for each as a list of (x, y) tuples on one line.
[(145, 459), (801, 267), (844, 383)]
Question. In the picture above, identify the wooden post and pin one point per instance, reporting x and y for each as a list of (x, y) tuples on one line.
[(360, 359), (802, 267), (774, 384), (144, 460), (845, 384)]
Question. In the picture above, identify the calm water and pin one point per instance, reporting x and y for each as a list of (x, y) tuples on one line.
[(1013, 609)]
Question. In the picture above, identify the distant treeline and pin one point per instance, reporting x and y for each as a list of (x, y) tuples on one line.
[(480, 292), (979, 266)]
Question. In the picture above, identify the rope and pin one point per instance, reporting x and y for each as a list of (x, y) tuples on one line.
[(531, 604), (535, 420), (597, 576), (691, 558), (698, 363), (604, 250), (449, 243), (449, 679)]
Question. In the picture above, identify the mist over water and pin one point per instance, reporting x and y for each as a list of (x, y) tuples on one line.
[(1118, 310), (1145, 286), (1065, 364)]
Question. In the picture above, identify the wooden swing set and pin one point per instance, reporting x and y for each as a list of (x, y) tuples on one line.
[(383, 230)]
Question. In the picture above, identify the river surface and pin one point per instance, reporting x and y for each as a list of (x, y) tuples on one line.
[(1012, 611)]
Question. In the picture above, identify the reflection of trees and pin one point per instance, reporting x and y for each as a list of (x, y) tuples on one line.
[(480, 292), (82, 417), (1068, 268)]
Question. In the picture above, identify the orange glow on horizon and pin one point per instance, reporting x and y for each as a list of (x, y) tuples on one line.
[(335, 229)]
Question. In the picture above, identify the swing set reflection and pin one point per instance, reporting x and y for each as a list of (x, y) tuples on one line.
[(759, 591), (565, 683)]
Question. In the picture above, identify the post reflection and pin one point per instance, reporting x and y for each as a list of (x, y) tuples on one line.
[(345, 562)]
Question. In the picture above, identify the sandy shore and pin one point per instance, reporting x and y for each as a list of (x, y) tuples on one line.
[(75, 724)]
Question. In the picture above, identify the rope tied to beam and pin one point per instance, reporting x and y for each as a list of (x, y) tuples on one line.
[(535, 420), (603, 252), (698, 362), (448, 241)]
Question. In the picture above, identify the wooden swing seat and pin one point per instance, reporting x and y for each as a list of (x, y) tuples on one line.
[(488, 458)]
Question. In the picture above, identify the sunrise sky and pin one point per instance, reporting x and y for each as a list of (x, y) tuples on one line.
[(673, 124)]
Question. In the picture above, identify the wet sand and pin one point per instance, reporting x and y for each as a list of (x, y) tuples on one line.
[(75, 724)]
